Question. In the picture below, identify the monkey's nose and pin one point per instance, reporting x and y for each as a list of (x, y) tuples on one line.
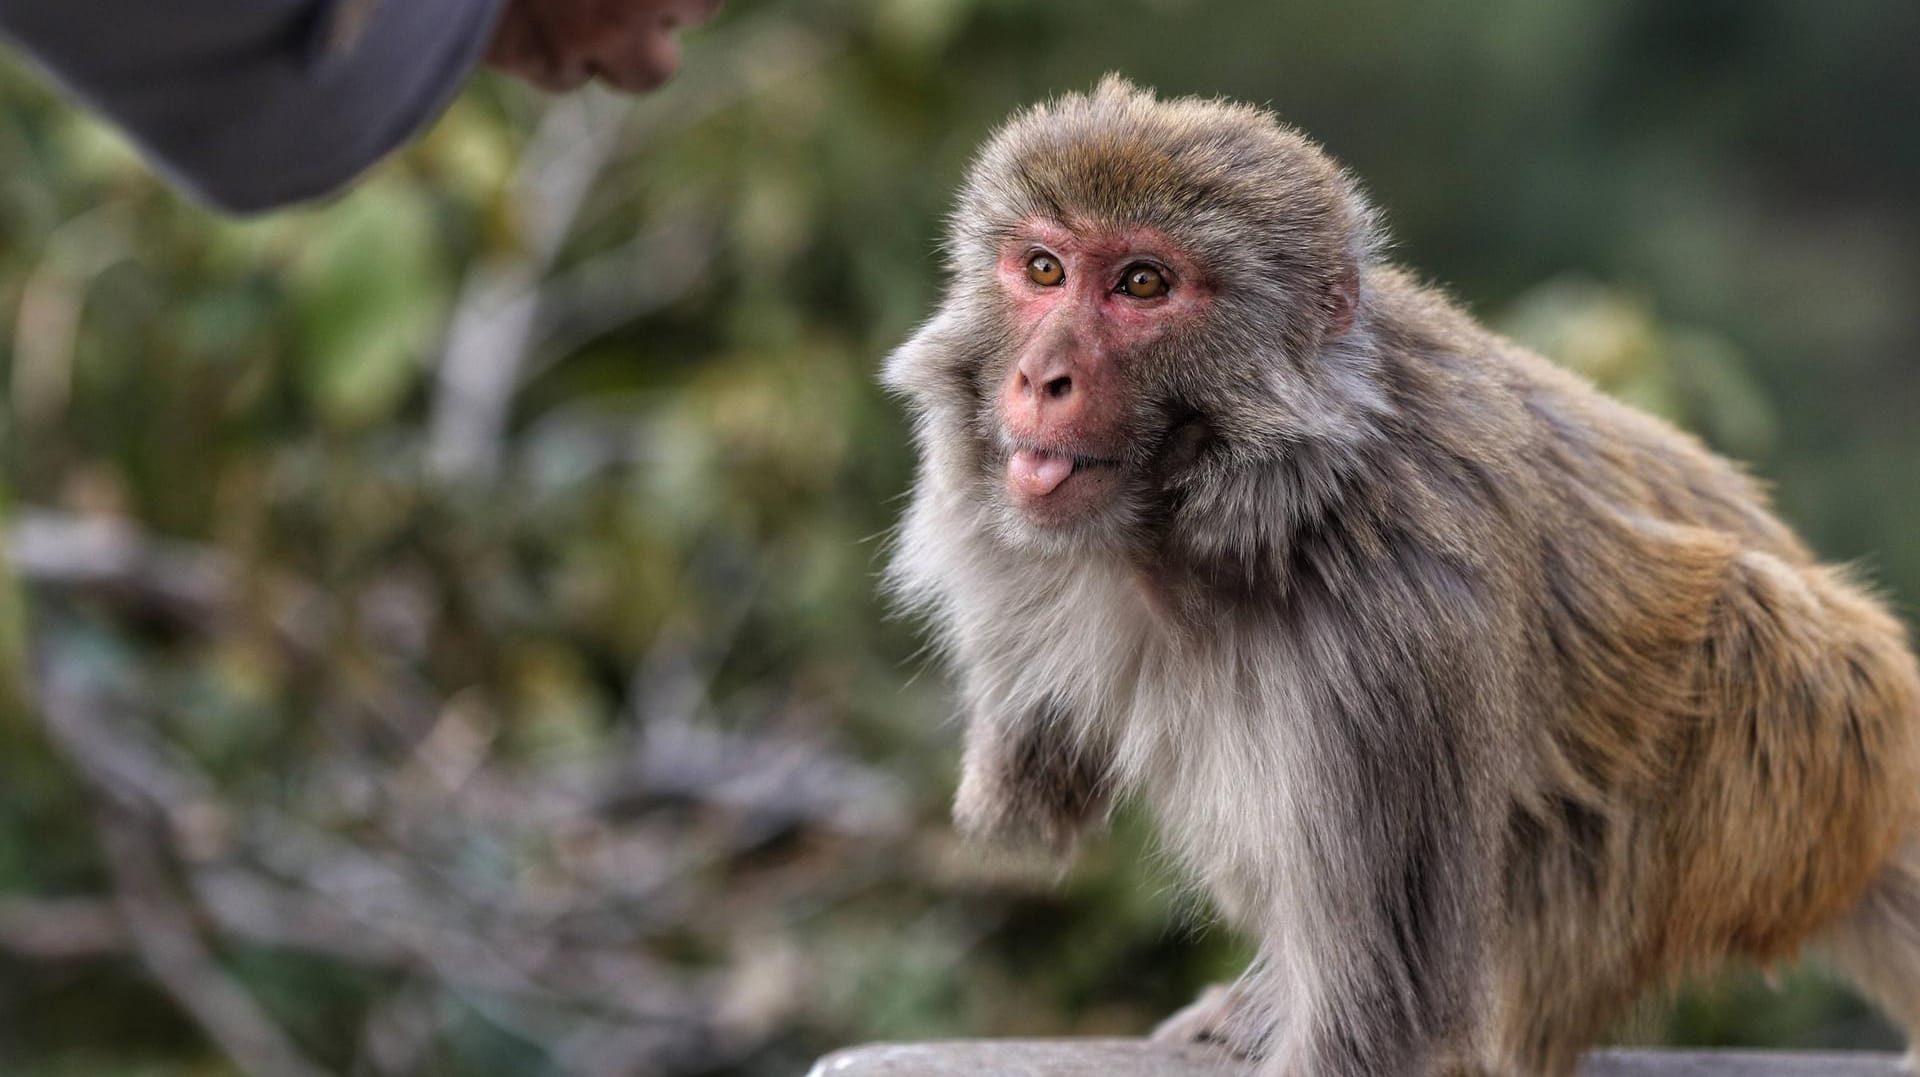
[(1049, 389), (1058, 387)]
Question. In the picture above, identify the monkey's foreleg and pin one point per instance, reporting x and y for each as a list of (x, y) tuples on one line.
[(1030, 781), (1378, 940)]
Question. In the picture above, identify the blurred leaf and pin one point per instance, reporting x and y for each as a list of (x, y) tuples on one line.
[(1690, 375), (368, 296), (919, 27)]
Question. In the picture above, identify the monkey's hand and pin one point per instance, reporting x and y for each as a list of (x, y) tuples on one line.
[(1224, 1016), (1029, 783)]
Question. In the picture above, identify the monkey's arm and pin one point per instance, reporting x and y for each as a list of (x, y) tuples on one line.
[(1394, 942), (1027, 780), (1376, 945)]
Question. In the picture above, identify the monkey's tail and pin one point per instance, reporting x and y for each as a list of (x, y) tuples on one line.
[(1877, 945)]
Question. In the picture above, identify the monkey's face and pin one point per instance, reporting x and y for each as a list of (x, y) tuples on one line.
[(1069, 389), (1108, 384), (1147, 317), (1089, 310)]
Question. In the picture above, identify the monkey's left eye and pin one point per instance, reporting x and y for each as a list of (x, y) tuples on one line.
[(1143, 282), (1045, 270)]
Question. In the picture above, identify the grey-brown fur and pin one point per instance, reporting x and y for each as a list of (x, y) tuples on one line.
[(1485, 702)]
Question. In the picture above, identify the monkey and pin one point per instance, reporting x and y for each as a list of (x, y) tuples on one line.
[(1483, 703)]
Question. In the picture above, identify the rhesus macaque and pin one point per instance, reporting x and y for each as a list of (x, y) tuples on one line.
[(1486, 703)]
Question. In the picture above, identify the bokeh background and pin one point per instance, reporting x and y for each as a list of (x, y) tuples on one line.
[(438, 631)]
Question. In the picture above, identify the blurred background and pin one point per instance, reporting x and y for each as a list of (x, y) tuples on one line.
[(438, 631)]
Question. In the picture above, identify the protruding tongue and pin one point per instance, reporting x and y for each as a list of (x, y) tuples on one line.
[(1036, 474)]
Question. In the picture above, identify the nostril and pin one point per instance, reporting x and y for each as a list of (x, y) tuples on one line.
[(1059, 387)]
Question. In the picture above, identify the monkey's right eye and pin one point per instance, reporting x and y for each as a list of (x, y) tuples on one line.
[(1045, 270)]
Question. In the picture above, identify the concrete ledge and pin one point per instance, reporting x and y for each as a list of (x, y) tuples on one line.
[(1138, 1058)]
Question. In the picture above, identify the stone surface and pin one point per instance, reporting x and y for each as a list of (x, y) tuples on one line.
[(1137, 1058)]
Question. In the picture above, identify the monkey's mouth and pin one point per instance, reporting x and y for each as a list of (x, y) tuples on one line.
[(1038, 472), (1053, 487)]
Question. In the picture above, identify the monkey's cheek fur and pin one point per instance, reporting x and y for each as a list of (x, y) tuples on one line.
[(1052, 490)]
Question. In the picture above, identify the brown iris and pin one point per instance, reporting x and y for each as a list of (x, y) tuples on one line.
[(1045, 270), (1142, 281)]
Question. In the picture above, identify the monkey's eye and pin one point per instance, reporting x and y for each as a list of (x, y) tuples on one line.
[(1142, 281), (1044, 269)]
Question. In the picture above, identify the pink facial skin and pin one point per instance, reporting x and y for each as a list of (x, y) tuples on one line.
[(1064, 405)]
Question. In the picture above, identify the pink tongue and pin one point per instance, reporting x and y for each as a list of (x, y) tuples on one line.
[(1036, 474)]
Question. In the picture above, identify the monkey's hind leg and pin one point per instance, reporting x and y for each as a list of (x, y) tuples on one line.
[(1877, 945)]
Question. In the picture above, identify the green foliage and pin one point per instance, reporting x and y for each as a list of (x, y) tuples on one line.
[(366, 295), (1695, 377), (676, 520)]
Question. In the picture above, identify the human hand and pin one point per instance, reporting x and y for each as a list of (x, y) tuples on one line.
[(558, 45)]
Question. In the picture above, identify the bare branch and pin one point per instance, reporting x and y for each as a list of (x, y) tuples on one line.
[(552, 933), (164, 935), (503, 309), (605, 292), (779, 783), (52, 302), (494, 317), (108, 555), (120, 764), (61, 929), (188, 584), (398, 1033)]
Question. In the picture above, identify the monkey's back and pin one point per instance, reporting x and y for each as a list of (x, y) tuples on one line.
[(1725, 755)]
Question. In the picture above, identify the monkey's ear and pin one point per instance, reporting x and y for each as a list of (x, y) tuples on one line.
[(1343, 303), (916, 363)]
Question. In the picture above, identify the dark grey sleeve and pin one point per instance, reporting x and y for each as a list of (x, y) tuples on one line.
[(254, 104)]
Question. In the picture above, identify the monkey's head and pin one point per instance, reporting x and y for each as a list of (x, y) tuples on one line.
[(1150, 302)]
